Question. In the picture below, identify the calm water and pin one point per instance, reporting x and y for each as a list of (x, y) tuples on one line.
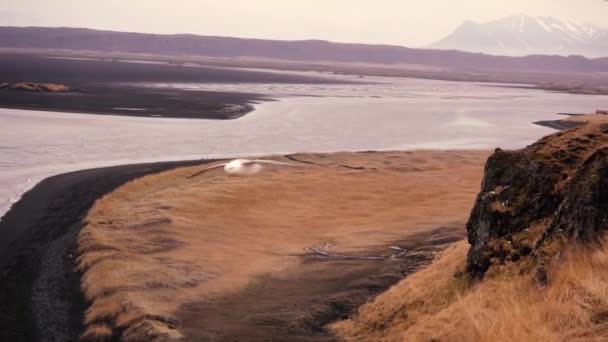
[(393, 114)]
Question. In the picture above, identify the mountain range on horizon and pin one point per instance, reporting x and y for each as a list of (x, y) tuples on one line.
[(55, 39), (522, 35)]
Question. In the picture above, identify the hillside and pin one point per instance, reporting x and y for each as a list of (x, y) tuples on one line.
[(536, 237), (311, 50)]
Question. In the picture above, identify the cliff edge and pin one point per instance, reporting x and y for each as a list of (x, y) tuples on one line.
[(534, 200)]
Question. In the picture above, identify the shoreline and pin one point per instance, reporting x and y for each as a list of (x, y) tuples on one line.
[(561, 88), (247, 108), (572, 121), (559, 125), (43, 219), (428, 72), (115, 88), (138, 102)]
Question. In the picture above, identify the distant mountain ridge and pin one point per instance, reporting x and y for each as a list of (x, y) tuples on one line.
[(308, 50), (525, 35)]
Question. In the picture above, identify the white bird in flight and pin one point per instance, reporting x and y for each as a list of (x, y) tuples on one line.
[(243, 167)]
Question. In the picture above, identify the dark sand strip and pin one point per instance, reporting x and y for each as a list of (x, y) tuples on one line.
[(108, 99), (118, 88), (560, 125), (37, 278)]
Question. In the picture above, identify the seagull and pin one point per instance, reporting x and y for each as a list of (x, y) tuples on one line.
[(243, 167)]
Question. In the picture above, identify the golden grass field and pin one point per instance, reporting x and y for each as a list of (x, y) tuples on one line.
[(436, 305), (164, 241)]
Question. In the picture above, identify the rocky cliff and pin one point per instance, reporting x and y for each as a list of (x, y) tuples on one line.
[(535, 199)]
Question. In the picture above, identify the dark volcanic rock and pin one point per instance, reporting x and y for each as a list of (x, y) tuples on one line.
[(584, 211), (557, 186), (502, 208)]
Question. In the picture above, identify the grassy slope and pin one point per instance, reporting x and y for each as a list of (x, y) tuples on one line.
[(434, 304), (509, 304)]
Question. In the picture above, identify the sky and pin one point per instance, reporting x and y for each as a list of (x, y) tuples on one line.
[(401, 22)]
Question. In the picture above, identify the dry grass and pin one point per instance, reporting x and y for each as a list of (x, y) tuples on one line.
[(163, 241), (436, 305)]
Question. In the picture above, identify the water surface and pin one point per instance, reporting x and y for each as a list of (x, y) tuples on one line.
[(387, 114)]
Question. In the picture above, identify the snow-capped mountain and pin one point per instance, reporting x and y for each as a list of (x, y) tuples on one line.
[(525, 35)]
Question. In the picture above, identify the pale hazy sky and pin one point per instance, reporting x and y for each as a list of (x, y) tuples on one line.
[(402, 22)]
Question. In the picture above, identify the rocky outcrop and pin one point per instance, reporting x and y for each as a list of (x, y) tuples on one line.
[(39, 87), (555, 187)]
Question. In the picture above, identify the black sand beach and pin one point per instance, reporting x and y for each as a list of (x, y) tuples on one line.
[(116, 87), (560, 125), (40, 229)]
